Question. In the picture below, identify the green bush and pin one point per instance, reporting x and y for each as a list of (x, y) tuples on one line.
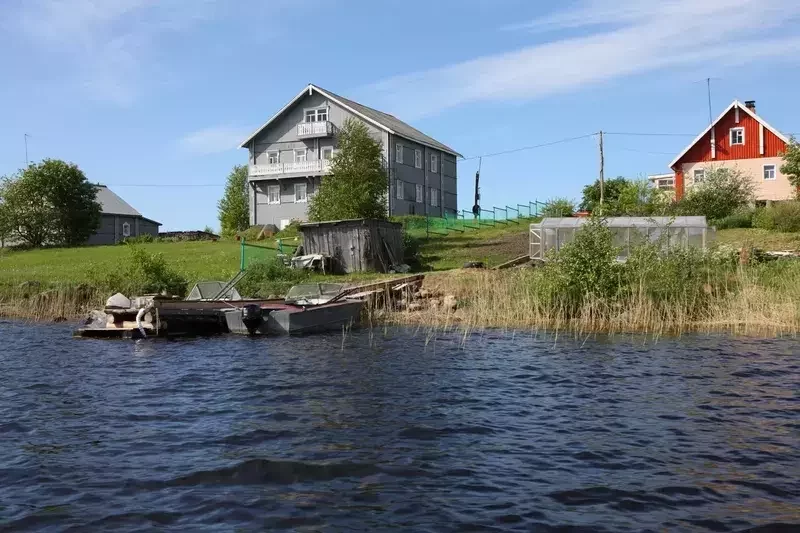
[(411, 222), (268, 278), (723, 192), (559, 207), (740, 219), (144, 273), (781, 216)]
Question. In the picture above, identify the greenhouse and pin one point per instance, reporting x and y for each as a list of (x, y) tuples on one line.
[(671, 232)]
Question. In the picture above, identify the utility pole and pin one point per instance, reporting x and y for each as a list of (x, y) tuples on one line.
[(602, 171), (710, 117), (27, 162)]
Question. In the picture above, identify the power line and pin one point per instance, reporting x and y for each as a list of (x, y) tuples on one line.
[(523, 148), (651, 134), (164, 184), (643, 151)]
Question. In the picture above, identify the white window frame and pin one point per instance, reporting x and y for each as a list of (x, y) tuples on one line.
[(702, 172), (434, 163), (324, 150), (277, 155), (398, 153), (126, 229), (420, 194), (305, 155), (297, 187), (736, 130), (399, 191), (666, 183), (417, 158), (314, 113), (277, 190), (434, 197), (774, 172)]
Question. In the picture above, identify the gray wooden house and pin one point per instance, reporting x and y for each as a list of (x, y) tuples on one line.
[(359, 245), (292, 151), (119, 220)]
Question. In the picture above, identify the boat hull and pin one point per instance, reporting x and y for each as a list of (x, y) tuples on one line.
[(291, 320)]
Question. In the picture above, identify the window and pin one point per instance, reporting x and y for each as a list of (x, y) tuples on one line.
[(274, 194), (420, 194), (273, 158), (300, 192), (126, 229), (299, 156), (769, 172), (737, 136), (666, 184), (435, 197), (327, 153), (699, 175), (418, 158), (434, 163), (317, 115), (399, 190), (398, 153)]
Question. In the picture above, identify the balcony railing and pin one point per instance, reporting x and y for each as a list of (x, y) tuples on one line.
[(314, 129), (300, 167)]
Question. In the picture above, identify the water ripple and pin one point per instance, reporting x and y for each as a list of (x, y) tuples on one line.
[(398, 431)]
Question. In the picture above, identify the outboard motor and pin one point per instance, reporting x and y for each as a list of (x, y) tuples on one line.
[(252, 318)]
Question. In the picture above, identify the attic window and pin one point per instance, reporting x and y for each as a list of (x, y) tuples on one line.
[(737, 136)]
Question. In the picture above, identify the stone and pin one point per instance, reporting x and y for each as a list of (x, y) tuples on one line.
[(450, 303), (118, 301), (434, 303), (415, 306)]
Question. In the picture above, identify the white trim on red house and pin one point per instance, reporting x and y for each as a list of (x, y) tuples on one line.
[(735, 105)]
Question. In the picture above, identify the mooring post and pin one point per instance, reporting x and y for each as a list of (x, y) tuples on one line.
[(241, 262)]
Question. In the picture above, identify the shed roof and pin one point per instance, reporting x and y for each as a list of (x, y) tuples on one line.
[(377, 118), (627, 222)]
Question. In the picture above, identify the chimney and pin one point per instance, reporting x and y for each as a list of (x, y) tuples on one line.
[(751, 105)]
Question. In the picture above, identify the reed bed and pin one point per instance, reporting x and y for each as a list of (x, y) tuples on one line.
[(50, 304), (762, 301)]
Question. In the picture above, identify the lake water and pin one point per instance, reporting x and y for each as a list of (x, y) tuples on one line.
[(387, 431)]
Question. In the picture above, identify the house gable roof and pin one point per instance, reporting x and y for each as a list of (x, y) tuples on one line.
[(111, 204), (735, 104), (379, 119)]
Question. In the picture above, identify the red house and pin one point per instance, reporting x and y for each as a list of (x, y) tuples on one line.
[(738, 139)]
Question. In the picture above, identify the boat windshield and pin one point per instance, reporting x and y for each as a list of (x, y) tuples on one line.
[(313, 293)]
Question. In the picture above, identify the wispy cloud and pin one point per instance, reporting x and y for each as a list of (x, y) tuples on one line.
[(623, 38), (212, 140)]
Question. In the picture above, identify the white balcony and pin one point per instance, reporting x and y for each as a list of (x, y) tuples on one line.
[(299, 167), (308, 130)]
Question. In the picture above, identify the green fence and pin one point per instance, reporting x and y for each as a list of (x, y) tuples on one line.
[(466, 220), (259, 253)]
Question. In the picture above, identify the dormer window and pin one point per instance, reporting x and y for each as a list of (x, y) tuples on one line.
[(317, 115), (737, 136)]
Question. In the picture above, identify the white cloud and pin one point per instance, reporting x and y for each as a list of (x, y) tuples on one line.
[(212, 140), (625, 37)]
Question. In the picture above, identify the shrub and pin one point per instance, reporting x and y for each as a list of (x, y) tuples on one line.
[(740, 219), (559, 207), (723, 192), (269, 278), (141, 239), (781, 216), (144, 273), (411, 251), (586, 267)]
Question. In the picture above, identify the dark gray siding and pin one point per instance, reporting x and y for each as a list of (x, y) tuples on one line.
[(112, 226), (443, 181), (288, 209)]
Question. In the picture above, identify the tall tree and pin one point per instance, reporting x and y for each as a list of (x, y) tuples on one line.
[(52, 202), (357, 185), (5, 219), (791, 165), (233, 207), (611, 192)]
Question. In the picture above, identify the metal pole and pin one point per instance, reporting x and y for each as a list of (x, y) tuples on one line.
[(27, 161), (710, 117), (241, 261), (602, 171)]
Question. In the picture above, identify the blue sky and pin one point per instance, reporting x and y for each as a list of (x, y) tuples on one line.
[(160, 92)]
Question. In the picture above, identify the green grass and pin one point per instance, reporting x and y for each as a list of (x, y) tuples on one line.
[(759, 238), (491, 245), (196, 260)]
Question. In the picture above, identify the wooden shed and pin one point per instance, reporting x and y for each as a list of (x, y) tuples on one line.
[(355, 245)]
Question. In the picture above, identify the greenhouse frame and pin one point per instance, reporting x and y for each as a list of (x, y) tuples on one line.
[(671, 232)]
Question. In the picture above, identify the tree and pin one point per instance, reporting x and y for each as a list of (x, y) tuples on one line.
[(639, 198), (233, 207), (5, 220), (52, 202), (356, 186), (720, 194), (559, 207), (611, 191), (791, 165)]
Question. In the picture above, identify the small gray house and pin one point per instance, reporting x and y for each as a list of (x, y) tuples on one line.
[(291, 152), (119, 220)]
